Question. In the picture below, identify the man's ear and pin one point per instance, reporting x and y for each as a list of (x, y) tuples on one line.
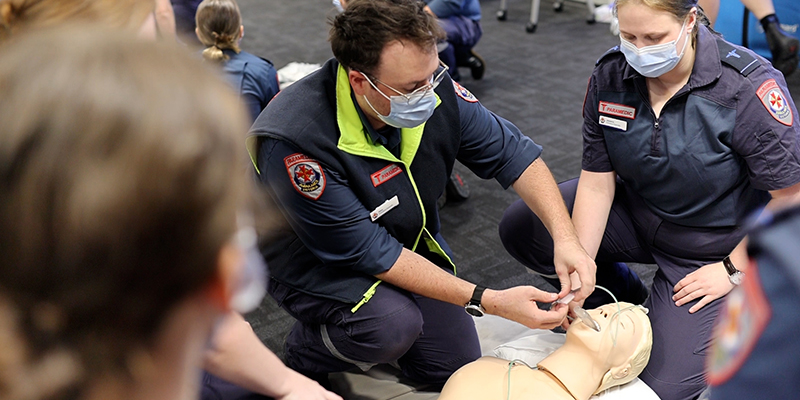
[(620, 372), (358, 82), (229, 268)]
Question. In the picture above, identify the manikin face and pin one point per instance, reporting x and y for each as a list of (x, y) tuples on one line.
[(619, 336), (644, 26), (405, 67)]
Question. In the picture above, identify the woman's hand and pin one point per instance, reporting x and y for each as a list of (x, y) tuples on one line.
[(709, 282)]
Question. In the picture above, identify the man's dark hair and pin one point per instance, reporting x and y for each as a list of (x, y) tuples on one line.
[(359, 34)]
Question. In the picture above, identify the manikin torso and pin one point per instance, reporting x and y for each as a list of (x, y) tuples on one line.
[(538, 384)]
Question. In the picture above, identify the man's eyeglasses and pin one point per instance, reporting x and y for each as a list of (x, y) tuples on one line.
[(418, 93)]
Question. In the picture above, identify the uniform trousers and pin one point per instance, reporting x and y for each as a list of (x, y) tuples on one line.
[(462, 35), (635, 234), (428, 339)]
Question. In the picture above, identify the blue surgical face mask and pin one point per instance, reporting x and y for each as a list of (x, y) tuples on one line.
[(409, 110), (405, 115), (654, 61)]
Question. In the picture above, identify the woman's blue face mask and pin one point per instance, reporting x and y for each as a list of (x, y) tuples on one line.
[(656, 60)]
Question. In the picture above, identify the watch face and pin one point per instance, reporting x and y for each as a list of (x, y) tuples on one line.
[(474, 310), (737, 277)]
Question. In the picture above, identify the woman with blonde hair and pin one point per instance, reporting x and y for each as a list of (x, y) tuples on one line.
[(684, 136), (219, 27)]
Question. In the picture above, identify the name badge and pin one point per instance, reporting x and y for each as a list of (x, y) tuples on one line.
[(613, 123), (384, 208)]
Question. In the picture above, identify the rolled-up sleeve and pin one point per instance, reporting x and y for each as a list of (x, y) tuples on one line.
[(493, 147), (335, 227), (595, 154)]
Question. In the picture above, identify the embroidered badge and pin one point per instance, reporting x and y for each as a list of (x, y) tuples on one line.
[(464, 93), (738, 327), (388, 172), (617, 109), (773, 99), (306, 175)]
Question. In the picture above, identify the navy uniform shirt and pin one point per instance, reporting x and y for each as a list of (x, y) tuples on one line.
[(337, 228), (254, 79), (719, 144), (755, 352)]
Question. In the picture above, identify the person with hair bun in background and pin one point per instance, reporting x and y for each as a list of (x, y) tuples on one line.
[(219, 27)]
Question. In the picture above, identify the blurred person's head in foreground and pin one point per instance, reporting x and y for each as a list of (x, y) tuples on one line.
[(120, 186), (21, 15)]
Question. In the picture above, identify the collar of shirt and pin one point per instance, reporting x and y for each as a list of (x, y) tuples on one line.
[(388, 136), (707, 66)]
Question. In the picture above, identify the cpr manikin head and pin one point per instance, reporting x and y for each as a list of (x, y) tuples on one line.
[(621, 347)]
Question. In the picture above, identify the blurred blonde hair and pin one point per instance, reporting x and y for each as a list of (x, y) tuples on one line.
[(219, 24), (17, 15), (678, 8)]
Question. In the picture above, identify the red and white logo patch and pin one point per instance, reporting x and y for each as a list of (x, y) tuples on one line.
[(739, 325), (389, 172), (619, 110), (306, 175), (464, 93), (775, 102)]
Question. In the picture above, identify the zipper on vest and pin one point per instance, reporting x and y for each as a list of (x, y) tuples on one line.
[(367, 296)]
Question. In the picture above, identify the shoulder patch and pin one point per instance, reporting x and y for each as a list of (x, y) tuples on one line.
[(738, 59), (739, 325), (464, 93), (306, 175), (775, 102), (610, 51)]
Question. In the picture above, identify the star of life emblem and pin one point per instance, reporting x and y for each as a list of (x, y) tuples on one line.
[(306, 175)]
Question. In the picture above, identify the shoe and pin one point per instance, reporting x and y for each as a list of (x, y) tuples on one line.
[(476, 65), (783, 48)]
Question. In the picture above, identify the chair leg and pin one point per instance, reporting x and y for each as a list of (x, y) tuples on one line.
[(502, 12)]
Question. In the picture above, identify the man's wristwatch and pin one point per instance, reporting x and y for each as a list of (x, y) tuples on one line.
[(474, 306), (734, 275)]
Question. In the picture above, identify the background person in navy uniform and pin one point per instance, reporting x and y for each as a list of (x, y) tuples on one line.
[(684, 135), (755, 352), (219, 26), (461, 20), (357, 155)]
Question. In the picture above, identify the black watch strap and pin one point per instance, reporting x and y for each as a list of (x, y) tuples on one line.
[(729, 267), (476, 295)]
